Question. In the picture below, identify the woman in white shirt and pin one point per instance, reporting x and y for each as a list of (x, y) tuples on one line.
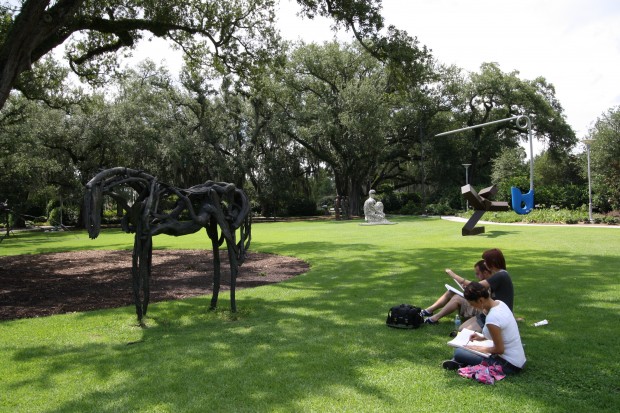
[(500, 327)]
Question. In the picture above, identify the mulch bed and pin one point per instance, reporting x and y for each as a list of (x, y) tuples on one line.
[(46, 284)]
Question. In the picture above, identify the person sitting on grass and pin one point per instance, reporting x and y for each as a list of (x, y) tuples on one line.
[(500, 284), (500, 327), (450, 301)]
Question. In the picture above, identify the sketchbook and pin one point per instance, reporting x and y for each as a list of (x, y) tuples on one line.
[(462, 339), (454, 290)]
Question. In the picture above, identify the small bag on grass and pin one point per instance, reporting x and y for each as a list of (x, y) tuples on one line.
[(404, 316)]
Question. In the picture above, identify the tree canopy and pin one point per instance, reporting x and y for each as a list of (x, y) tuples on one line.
[(491, 94), (605, 159), (277, 119), (338, 102), (224, 33)]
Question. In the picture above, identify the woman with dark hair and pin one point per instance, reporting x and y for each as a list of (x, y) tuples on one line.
[(500, 284), (500, 327)]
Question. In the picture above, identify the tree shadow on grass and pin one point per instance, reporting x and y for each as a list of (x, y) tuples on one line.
[(319, 334)]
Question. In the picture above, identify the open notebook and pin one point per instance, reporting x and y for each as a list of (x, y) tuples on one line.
[(454, 290), (462, 339)]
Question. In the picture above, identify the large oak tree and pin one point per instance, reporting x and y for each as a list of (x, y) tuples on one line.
[(605, 159), (231, 34), (339, 103)]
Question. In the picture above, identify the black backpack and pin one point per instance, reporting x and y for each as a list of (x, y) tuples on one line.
[(404, 316)]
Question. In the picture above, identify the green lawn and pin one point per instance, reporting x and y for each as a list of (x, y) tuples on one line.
[(318, 342)]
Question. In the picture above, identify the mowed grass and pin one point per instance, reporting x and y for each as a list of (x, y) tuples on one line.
[(318, 342)]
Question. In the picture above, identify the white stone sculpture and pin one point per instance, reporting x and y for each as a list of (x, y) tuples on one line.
[(373, 211)]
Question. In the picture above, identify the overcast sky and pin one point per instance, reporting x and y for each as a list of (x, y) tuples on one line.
[(574, 44)]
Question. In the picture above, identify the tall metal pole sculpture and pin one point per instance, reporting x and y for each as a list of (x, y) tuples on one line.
[(466, 165), (588, 142), (209, 205), (521, 203)]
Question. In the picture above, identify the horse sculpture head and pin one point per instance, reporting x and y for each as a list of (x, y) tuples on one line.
[(93, 203), (104, 183)]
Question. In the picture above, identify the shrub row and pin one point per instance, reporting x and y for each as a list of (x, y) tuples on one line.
[(552, 215)]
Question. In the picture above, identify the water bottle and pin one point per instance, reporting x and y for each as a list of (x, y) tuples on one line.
[(457, 322)]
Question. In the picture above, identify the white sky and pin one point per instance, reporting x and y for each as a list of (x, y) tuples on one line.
[(573, 44)]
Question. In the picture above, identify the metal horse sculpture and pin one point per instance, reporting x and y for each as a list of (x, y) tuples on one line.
[(208, 206)]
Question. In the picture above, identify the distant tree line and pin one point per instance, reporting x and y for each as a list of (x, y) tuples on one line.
[(294, 127)]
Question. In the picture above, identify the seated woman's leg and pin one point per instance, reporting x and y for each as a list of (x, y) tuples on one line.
[(467, 358), (507, 368)]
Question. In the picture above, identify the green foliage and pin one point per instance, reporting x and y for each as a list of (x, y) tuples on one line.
[(605, 160), (329, 201), (110, 217), (557, 216), (367, 112), (450, 197), (495, 94), (484, 96), (219, 36), (558, 169), (563, 196), (406, 203), (442, 208), (301, 207), (338, 109), (309, 345), (222, 33), (412, 208), (566, 196), (510, 164), (64, 216), (546, 215), (318, 120)]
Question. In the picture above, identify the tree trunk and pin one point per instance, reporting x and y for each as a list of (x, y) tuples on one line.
[(355, 199)]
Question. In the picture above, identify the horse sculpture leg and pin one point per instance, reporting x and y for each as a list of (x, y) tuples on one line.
[(145, 270), (216, 275), (141, 274), (212, 233), (136, 279), (234, 268)]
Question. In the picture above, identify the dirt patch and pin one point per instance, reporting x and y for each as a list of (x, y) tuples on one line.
[(46, 284)]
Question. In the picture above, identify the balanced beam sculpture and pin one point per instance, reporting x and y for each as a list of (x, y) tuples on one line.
[(481, 202), (209, 205), (521, 203)]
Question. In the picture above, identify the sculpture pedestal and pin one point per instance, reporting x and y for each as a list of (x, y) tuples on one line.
[(384, 222)]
